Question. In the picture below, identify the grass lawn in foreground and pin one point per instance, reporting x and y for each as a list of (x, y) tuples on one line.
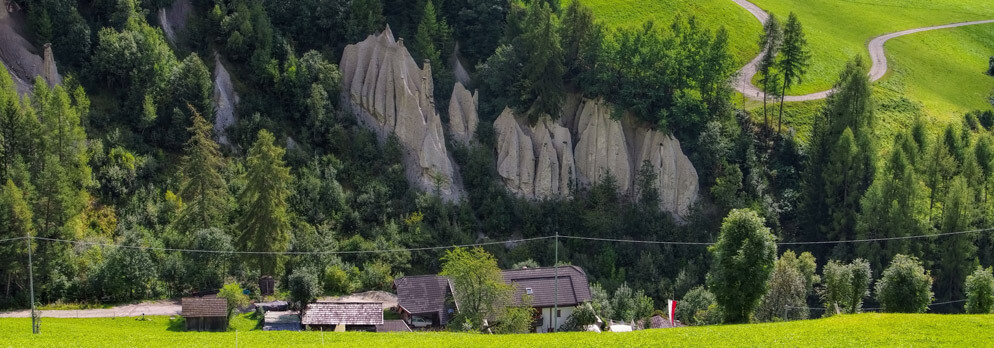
[(837, 30), (743, 28), (876, 330)]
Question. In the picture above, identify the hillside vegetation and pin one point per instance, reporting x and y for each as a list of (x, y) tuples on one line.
[(839, 30), (877, 330), (743, 29)]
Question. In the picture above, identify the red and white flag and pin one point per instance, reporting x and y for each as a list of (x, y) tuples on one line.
[(671, 306)]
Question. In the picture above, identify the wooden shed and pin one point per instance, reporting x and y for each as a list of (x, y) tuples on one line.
[(343, 316), (205, 314)]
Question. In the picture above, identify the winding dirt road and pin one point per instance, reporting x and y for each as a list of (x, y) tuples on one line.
[(876, 47)]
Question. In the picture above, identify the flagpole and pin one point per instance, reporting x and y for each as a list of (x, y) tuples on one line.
[(555, 279), (31, 281)]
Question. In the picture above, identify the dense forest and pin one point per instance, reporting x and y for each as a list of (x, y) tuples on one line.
[(120, 166)]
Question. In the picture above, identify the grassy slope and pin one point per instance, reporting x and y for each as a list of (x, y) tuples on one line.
[(879, 330), (743, 29), (838, 30)]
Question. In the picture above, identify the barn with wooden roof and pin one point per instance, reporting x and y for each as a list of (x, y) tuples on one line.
[(205, 314), (342, 316)]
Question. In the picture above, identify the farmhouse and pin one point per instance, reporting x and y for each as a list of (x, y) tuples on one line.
[(540, 285), (205, 313), (342, 316), (425, 301)]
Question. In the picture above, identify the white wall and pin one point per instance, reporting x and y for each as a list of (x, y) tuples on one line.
[(549, 313)]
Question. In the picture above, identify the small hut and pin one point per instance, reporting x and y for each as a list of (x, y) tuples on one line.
[(267, 286), (205, 314), (343, 316)]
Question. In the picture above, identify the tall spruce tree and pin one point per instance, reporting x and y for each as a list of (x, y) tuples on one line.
[(265, 221), (540, 89), (15, 222), (203, 189), (848, 107), (770, 41), (794, 59), (958, 252)]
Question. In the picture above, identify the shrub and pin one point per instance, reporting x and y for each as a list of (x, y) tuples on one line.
[(697, 301), (235, 296), (980, 291), (906, 287), (846, 285), (304, 287), (340, 280), (785, 299), (580, 318)]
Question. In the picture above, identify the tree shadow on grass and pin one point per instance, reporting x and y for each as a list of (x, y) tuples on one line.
[(177, 324)]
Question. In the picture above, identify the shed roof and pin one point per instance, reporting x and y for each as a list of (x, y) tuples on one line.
[(393, 326), (197, 307), (348, 313), (422, 294), (572, 280)]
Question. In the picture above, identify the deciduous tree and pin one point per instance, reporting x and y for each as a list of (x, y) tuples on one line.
[(743, 260)]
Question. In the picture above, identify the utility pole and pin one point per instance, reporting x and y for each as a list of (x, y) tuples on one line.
[(35, 325), (555, 279)]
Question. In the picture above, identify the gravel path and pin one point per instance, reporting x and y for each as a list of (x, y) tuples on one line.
[(132, 310), (876, 47)]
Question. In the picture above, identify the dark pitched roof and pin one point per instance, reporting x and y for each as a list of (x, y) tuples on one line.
[(422, 294), (573, 286), (393, 326), (349, 313), (194, 307)]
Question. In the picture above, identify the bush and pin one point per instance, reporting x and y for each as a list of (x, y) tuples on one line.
[(906, 287), (980, 291), (846, 285), (341, 280), (304, 287), (582, 316), (695, 307), (785, 299), (235, 296), (376, 276)]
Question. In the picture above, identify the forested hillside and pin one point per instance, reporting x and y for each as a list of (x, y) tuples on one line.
[(232, 130)]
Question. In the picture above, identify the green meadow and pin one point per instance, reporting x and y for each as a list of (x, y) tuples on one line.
[(863, 330)]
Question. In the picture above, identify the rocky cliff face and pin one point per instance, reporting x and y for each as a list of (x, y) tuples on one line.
[(541, 161), (463, 117), (225, 101), (173, 18), (386, 91), (534, 162), (20, 57)]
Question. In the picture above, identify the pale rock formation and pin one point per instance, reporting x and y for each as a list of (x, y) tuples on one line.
[(20, 58), (602, 147), (225, 101), (676, 178), (515, 155), (463, 117), (534, 162), (386, 91), (174, 17), (541, 162)]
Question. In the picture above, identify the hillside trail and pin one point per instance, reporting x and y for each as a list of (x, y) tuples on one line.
[(130, 310), (876, 47)]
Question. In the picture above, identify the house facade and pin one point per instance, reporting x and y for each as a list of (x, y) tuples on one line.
[(555, 293)]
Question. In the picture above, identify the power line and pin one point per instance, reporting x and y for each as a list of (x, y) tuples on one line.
[(887, 238), (635, 241), (287, 252), (11, 239)]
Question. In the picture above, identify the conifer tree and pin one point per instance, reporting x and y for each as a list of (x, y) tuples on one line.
[(957, 251), (15, 222), (770, 41), (203, 189), (265, 221), (794, 58), (541, 89)]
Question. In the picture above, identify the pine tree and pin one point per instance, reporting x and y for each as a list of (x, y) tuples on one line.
[(15, 222), (203, 189), (770, 41), (794, 58), (265, 221), (957, 251), (365, 17), (541, 90), (849, 107)]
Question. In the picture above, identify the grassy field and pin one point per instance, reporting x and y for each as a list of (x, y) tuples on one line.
[(743, 28), (864, 330), (837, 30)]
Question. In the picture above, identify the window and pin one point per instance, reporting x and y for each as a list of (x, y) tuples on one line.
[(559, 313), (528, 291)]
